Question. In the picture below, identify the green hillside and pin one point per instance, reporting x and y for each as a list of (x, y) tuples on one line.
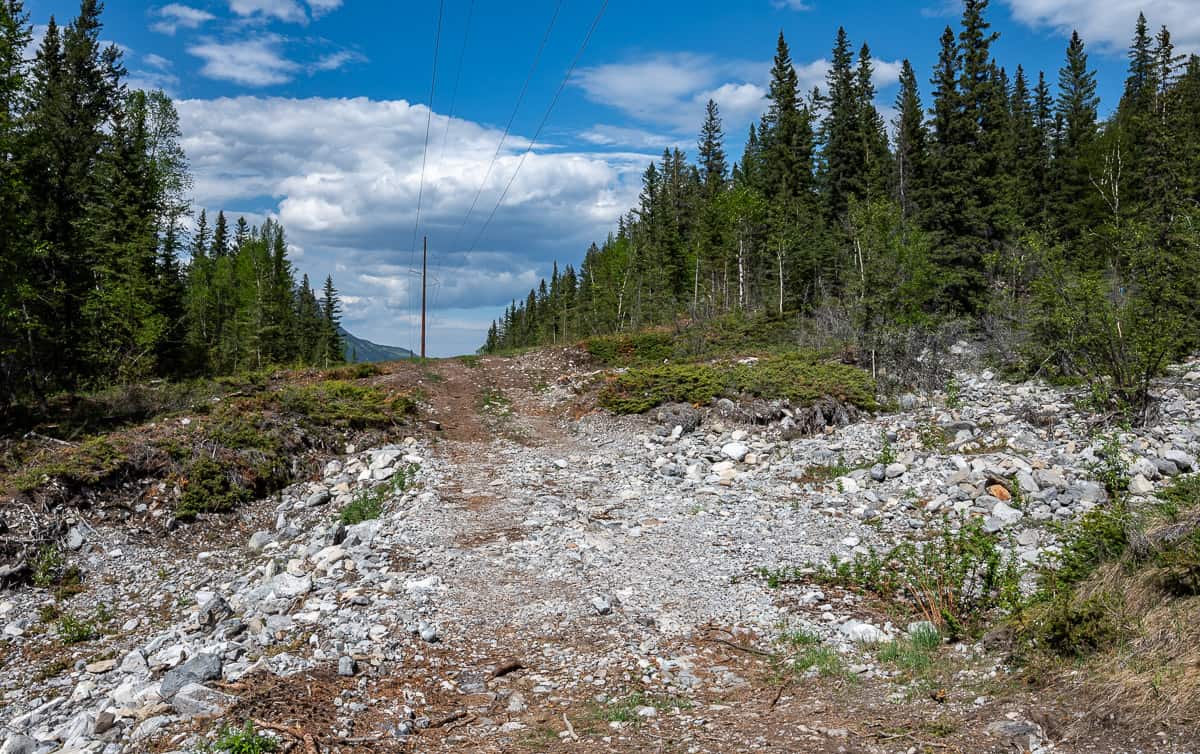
[(360, 350)]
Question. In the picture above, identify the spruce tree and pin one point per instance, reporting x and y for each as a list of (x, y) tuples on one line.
[(876, 157), (950, 204), (331, 314), (912, 160), (711, 152), (843, 138), (1076, 203), (785, 137), (17, 330)]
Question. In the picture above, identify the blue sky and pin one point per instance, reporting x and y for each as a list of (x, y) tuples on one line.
[(314, 112)]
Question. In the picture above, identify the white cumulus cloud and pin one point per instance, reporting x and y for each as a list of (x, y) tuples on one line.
[(1110, 24), (257, 61), (283, 10), (342, 175), (175, 16), (671, 91)]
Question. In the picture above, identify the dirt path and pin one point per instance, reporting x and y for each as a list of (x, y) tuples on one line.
[(549, 560), (559, 579)]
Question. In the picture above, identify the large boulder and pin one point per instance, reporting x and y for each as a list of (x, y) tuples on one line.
[(201, 668)]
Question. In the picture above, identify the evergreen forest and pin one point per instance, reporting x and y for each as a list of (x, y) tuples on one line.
[(1006, 205), (106, 276)]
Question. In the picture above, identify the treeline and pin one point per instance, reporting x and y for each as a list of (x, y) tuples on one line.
[(93, 224), (1004, 203)]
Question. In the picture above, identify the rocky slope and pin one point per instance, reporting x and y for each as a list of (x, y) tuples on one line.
[(543, 578)]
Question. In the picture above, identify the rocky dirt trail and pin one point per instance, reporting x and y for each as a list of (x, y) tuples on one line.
[(544, 577)]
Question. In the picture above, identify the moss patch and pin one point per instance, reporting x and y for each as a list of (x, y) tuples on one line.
[(800, 378)]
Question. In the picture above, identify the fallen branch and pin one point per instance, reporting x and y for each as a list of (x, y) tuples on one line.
[(46, 438), (310, 744), (465, 721), (570, 728), (739, 647), (508, 667), (779, 693), (456, 715)]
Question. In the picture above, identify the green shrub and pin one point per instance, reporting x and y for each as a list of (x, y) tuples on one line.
[(1182, 494), (210, 487), (340, 404), (955, 581), (913, 653), (640, 390), (72, 630), (237, 431), (799, 378), (48, 566), (368, 503), (1180, 567), (1078, 628), (92, 462), (354, 372), (805, 651), (244, 740), (632, 349), (1098, 537)]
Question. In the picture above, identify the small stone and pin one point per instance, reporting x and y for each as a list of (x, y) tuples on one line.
[(213, 612), (318, 498), (104, 723), (101, 666), (1000, 492), (195, 700), (734, 450), (428, 633), (601, 605), (1183, 461), (895, 470), (878, 472), (19, 744), (260, 539), (287, 585), (1006, 513), (846, 484), (862, 633), (1140, 485), (347, 666)]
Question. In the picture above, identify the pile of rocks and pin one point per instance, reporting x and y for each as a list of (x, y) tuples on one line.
[(603, 550), (297, 602)]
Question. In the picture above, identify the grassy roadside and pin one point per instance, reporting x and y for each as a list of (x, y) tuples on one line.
[(215, 445), (1113, 623)]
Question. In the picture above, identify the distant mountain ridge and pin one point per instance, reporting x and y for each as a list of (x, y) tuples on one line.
[(359, 350)]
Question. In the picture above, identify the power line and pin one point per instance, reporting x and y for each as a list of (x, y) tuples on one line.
[(499, 146), (520, 98), (458, 76), (449, 120), (437, 44), (545, 118)]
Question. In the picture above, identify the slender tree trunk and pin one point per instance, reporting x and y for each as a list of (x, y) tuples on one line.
[(741, 273), (779, 255)]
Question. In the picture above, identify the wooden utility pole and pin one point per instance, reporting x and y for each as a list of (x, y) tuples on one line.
[(424, 268)]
